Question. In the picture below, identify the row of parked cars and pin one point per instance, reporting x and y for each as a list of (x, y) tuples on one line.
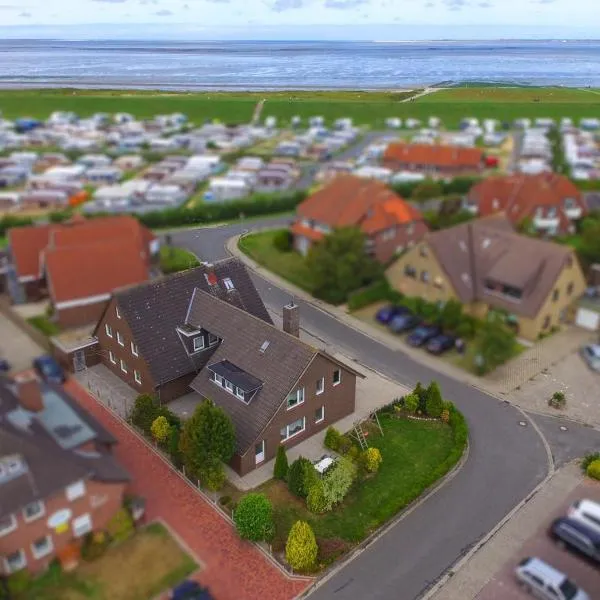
[(401, 319), (579, 531)]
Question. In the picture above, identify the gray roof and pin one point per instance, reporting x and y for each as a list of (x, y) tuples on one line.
[(489, 248), (48, 464), (155, 309), (278, 368)]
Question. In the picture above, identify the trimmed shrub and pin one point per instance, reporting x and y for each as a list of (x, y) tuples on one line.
[(376, 292), (18, 583), (160, 429), (558, 400), (345, 444), (588, 459), (301, 547), (280, 469), (301, 476), (433, 402), (372, 459), (145, 410), (332, 439), (283, 240), (253, 518), (593, 469), (421, 394), (94, 545), (316, 501), (120, 527), (353, 454), (338, 481), (411, 403)]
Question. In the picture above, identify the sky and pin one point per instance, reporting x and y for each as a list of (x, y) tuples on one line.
[(302, 19)]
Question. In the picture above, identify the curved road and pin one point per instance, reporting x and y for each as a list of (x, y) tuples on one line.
[(506, 460)]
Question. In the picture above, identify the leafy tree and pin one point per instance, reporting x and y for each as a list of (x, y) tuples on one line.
[(434, 403), (451, 315), (589, 248), (411, 402), (253, 517), (338, 481), (212, 475), (172, 447), (207, 439), (160, 429), (339, 265), (316, 501), (372, 459), (281, 464), (421, 394), (495, 346), (426, 190), (332, 439), (145, 410), (283, 240), (301, 547), (120, 526), (301, 476)]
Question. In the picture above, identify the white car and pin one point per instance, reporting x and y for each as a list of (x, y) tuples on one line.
[(587, 512), (544, 581), (591, 355)]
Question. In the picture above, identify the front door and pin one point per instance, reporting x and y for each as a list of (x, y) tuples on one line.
[(79, 361), (259, 452)]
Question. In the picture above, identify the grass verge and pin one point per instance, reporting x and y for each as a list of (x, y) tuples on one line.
[(44, 324), (173, 259)]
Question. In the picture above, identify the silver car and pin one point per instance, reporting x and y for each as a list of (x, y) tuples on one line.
[(541, 580), (591, 355)]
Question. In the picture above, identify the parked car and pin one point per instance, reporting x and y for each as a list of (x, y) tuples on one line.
[(578, 536), (387, 313), (49, 369), (440, 344), (587, 512), (5, 366), (190, 590), (591, 355), (404, 322), (541, 580), (423, 334)]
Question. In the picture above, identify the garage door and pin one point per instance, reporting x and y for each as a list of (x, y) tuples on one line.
[(588, 319)]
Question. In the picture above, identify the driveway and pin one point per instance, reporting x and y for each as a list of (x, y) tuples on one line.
[(417, 551), (232, 569), (15, 346)]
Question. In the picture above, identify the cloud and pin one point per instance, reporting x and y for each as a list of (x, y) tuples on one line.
[(485, 5), (9, 7), (163, 13), (112, 1), (429, 4), (455, 4), (283, 5), (186, 7), (25, 15), (344, 4)]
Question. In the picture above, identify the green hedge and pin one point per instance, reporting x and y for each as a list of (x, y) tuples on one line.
[(376, 292), (458, 185), (9, 221)]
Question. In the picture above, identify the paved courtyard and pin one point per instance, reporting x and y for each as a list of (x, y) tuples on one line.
[(16, 347)]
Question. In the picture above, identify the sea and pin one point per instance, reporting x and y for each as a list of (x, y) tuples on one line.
[(272, 65)]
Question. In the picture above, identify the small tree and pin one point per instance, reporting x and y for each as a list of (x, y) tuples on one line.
[(281, 464), (301, 548), (144, 412), (434, 403), (426, 190), (301, 476), (421, 393), (212, 476), (558, 400), (282, 240), (593, 469), (120, 526), (496, 345), (372, 459), (253, 518), (451, 315), (173, 447), (160, 429), (332, 439), (411, 403), (316, 501), (338, 481)]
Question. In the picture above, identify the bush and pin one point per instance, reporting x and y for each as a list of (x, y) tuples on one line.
[(421, 393), (427, 189), (588, 459), (120, 527), (301, 476), (372, 459), (172, 447), (225, 500), (301, 547), (345, 444), (160, 429), (94, 545), (212, 475), (253, 518), (332, 439), (338, 481), (316, 501), (283, 240), (145, 410), (18, 583), (433, 402), (281, 464), (593, 469), (445, 416), (411, 403), (558, 400), (376, 292)]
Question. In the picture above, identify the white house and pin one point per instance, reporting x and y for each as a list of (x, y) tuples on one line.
[(393, 123), (113, 196), (166, 194), (224, 188), (103, 175), (369, 172), (93, 161)]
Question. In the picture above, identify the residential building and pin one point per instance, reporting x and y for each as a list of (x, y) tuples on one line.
[(434, 159), (389, 223), (141, 335), (552, 202), (58, 478), (486, 266)]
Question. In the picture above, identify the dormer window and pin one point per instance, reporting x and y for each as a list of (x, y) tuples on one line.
[(234, 380), (198, 343), (212, 339), (228, 284)]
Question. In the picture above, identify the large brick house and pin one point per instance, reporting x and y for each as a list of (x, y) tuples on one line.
[(486, 265), (58, 479), (434, 159), (389, 223), (77, 264), (552, 202)]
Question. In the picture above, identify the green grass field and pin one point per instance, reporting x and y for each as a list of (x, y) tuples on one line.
[(369, 108)]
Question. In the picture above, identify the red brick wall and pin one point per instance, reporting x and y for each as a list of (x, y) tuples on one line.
[(385, 249), (78, 316)]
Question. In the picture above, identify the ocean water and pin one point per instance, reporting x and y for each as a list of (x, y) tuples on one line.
[(230, 65)]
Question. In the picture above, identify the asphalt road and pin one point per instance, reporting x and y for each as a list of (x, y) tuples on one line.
[(506, 460)]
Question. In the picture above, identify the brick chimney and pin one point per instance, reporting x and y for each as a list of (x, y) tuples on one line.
[(209, 274), (29, 392), (291, 319)]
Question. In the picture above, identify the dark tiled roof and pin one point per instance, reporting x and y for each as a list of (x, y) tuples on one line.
[(279, 367), (155, 309)]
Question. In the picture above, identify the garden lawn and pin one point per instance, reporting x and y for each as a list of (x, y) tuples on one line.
[(411, 452), (44, 324), (145, 565), (289, 265), (173, 259)]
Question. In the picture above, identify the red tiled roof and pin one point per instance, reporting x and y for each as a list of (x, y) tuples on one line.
[(75, 272), (299, 229), (433, 155), (26, 245), (352, 201)]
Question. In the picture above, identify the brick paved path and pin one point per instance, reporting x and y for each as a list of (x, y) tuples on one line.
[(234, 570)]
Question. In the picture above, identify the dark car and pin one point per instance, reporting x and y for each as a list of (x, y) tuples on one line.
[(190, 590), (49, 369), (577, 536), (421, 335), (440, 344), (4, 366), (404, 322), (387, 313)]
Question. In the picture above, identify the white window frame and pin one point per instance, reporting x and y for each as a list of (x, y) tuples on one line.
[(11, 527), (339, 380), (120, 339), (218, 379), (287, 430), (201, 338), (117, 311), (134, 349), (228, 284), (228, 385), (299, 399), (38, 515), (322, 415), (108, 330), (86, 519), (137, 377), (75, 490), (48, 549), (239, 393), (123, 366), (320, 386), (112, 357), (22, 565)]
